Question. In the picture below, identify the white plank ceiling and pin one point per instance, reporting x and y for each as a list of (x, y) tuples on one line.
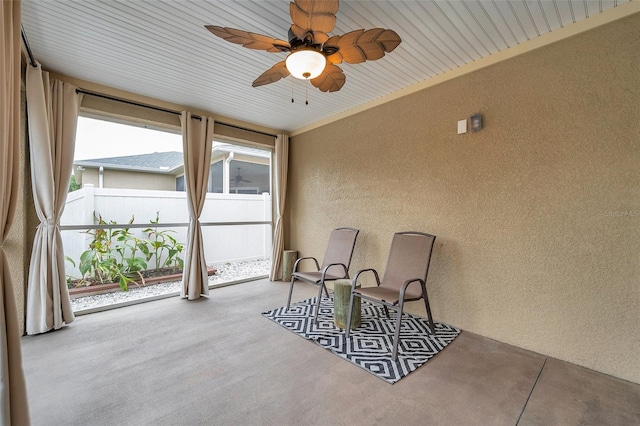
[(160, 48)]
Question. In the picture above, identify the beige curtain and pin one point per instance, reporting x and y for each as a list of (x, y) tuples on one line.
[(281, 165), (14, 408), (197, 139), (52, 108)]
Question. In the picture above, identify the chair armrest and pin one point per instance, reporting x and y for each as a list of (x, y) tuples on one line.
[(403, 289), (326, 268), (354, 282), (295, 265)]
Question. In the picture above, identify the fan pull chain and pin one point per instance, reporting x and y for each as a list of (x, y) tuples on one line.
[(306, 92)]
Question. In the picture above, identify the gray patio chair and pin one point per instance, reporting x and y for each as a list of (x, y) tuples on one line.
[(335, 265), (404, 280)]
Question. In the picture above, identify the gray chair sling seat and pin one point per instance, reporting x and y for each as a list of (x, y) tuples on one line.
[(392, 297), (317, 278)]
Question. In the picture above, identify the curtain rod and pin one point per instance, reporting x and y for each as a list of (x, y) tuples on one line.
[(171, 111), (26, 44)]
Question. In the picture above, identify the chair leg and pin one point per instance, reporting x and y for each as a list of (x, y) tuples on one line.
[(396, 337), (315, 318), (432, 325), (290, 293), (386, 311), (326, 292)]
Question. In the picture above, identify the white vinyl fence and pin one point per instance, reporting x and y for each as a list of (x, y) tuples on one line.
[(228, 243)]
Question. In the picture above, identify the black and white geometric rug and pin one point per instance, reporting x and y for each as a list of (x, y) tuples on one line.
[(369, 346)]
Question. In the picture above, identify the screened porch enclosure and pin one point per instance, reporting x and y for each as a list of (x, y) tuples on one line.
[(127, 203)]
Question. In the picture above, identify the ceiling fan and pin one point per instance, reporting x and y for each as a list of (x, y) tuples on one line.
[(314, 54), (239, 179)]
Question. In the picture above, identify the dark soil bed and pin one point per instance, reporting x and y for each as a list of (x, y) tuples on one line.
[(150, 276)]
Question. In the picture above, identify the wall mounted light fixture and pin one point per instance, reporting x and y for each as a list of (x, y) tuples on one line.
[(475, 122)]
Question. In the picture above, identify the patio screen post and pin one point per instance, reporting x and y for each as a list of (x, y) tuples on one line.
[(197, 141), (14, 407), (281, 166), (52, 108)]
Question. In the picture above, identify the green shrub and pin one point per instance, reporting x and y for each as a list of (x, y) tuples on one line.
[(161, 243), (118, 256)]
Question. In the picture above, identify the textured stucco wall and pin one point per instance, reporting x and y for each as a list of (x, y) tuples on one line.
[(130, 180), (537, 216)]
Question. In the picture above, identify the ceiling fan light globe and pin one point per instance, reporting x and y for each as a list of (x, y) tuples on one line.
[(306, 64)]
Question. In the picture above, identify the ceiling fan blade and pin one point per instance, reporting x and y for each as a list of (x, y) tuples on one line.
[(250, 40), (331, 80), (362, 45), (316, 17), (334, 58), (273, 74)]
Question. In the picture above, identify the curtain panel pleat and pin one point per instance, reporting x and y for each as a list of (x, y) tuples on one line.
[(281, 166), (52, 108), (197, 141), (14, 407)]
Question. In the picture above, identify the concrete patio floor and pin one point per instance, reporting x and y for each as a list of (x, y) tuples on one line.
[(218, 361)]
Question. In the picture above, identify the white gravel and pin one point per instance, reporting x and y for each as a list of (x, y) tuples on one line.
[(227, 272)]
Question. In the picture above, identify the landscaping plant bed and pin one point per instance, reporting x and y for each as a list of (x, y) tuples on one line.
[(150, 278)]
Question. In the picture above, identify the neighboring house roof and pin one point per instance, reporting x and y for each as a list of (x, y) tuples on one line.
[(168, 162), (157, 162)]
